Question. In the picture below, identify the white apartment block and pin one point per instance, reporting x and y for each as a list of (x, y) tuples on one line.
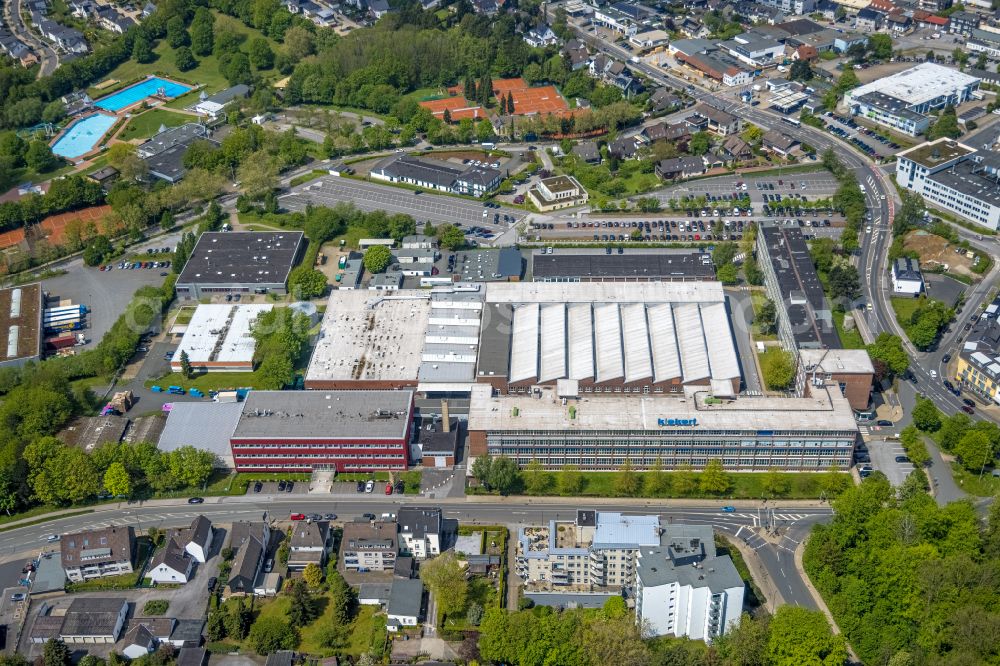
[(595, 550), (954, 177), (684, 589)]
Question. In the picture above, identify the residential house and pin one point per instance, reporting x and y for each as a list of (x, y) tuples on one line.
[(805, 53), (97, 553), (250, 541), (663, 100), (138, 642), (868, 20), (369, 546), (196, 539), (693, 28), (624, 148), (93, 620), (906, 277), (557, 192), (541, 36), (576, 54), (588, 151), (406, 600), (736, 149), (678, 168), (421, 531), (898, 24), (171, 564), (963, 23), (721, 123), (779, 143), (309, 544)]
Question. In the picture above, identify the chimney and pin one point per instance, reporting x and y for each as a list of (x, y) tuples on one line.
[(446, 425)]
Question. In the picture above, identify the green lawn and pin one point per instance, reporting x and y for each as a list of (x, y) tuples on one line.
[(206, 73), (209, 381), (987, 486), (850, 339), (314, 637), (147, 124), (185, 315), (905, 307)]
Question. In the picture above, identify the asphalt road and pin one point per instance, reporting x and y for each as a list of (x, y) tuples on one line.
[(793, 523)]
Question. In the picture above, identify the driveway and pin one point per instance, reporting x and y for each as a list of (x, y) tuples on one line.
[(741, 314)]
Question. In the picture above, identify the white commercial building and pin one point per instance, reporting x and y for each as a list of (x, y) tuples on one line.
[(217, 339), (683, 588), (903, 100), (906, 277), (954, 177)]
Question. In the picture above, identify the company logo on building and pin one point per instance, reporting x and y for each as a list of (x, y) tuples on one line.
[(677, 422)]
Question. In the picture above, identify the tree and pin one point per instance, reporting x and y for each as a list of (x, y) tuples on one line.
[(474, 615), (926, 415), (880, 46), (745, 644), (445, 579), (945, 126), (377, 258), (627, 482), (617, 641), (802, 636), (699, 144), (766, 317), (341, 597), (271, 634), (301, 610), (190, 467), (684, 481), (185, 361), (260, 53), (504, 475), (800, 71), (54, 111), (117, 480), (238, 620), (775, 483), (889, 349), (55, 653), (450, 236), (40, 158), (714, 479), (184, 59), (97, 249), (728, 274), (752, 134), (778, 368), (202, 32), (974, 450), (844, 281), (177, 36), (236, 68), (313, 575), (481, 468), (536, 480), (142, 52), (657, 481), (306, 282), (570, 480)]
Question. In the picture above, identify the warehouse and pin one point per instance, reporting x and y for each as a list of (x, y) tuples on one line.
[(239, 262), (600, 433), (217, 339), (301, 431), (21, 324), (628, 265), (608, 337)]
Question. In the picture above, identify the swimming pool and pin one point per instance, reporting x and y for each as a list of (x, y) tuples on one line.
[(81, 137), (139, 92)]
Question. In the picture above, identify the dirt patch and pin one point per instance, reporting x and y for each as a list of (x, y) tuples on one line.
[(333, 252), (937, 251), (881, 71)]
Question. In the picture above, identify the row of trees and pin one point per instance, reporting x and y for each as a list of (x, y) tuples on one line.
[(975, 443)]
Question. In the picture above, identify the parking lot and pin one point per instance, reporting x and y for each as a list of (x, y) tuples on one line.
[(866, 139), (670, 228), (883, 454), (436, 208), (818, 185)]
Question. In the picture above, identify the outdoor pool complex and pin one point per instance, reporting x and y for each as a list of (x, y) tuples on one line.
[(81, 137), (140, 91)]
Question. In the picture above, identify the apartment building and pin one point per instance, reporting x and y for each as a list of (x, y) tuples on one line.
[(369, 546), (684, 588), (597, 549), (98, 553), (421, 531)]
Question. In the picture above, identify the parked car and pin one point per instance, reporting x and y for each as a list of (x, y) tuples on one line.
[(257, 487), (18, 596), (902, 459), (297, 516), (885, 423), (212, 582), (969, 403), (370, 486), (361, 486), (281, 486)]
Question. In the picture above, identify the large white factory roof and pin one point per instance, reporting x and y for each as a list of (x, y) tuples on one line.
[(918, 84), (220, 333)]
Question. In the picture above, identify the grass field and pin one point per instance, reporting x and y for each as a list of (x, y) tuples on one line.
[(147, 124), (850, 339), (209, 381), (758, 298), (206, 73)]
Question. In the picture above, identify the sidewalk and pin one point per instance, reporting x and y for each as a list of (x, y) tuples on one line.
[(648, 501)]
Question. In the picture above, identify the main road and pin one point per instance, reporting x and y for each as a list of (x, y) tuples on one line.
[(792, 522)]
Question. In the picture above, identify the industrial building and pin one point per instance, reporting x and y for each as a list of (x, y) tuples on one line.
[(302, 431), (239, 262), (437, 175), (851, 369), (954, 177), (217, 339), (21, 324), (903, 100), (628, 265), (806, 320), (600, 433)]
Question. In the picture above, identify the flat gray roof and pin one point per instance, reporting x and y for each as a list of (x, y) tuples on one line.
[(325, 414), (204, 425), (247, 257)]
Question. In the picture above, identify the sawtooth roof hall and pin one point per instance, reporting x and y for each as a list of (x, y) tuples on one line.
[(604, 337)]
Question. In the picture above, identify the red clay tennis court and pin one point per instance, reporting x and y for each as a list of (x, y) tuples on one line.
[(458, 107), (54, 226), (542, 101), (11, 238)]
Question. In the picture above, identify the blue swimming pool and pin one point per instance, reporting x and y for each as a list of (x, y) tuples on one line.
[(81, 137), (139, 92)]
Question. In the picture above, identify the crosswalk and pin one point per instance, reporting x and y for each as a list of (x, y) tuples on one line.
[(865, 431)]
